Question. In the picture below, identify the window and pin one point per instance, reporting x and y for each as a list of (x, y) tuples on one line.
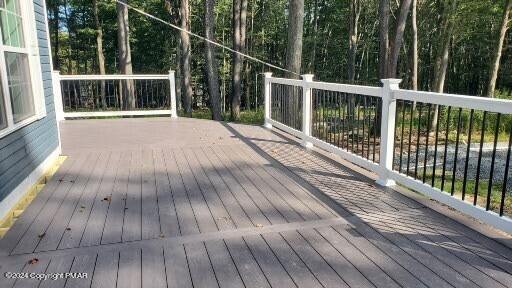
[(21, 97)]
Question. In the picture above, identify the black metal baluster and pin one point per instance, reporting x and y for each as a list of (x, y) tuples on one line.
[(329, 93), (357, 122), (315, 110), (438, 108), (411, 118), (505, 177), (477, 179), (364, 121), (446, 146), (343, 123), (375, 126), (353, 115), (339, 120), (493, 161), (402, 137), (454, 173), (395, 144), (277, 103), (369, 128), (418, 142), (283, 104), (425, 162), (333, 118), (468, 152), (324, 116)]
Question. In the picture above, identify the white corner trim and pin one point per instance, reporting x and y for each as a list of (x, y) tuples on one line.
[(19, 192)]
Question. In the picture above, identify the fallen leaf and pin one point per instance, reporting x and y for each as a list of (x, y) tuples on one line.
[(33, 261), (162, 235), (68, 229), (259, 225), (41, 235), (83, 207)]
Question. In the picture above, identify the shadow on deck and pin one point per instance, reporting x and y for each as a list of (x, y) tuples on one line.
[(194, 203)]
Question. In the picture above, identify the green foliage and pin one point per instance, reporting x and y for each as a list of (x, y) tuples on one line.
[(246, 117)]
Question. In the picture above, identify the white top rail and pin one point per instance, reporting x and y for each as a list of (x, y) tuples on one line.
[(345, 88), (115, 77), (460, 101), (291, 82)]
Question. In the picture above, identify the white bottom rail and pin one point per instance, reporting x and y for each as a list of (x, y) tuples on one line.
[(118, 113)]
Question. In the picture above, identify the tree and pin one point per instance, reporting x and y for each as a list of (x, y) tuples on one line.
[(212, 69), (399, 38), (443, 48), (185, 58), (414, 46), (384, 11), (99, 51), (389, 55), (355, 13), (238, 22), (495, 64), (125, 56), (295, 34), (443, 52)]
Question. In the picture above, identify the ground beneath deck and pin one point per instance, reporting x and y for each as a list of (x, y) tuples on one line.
[(194, 203)]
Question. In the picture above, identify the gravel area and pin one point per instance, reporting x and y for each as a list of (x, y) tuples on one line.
[(485, 165)]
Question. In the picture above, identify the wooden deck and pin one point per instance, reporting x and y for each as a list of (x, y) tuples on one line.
[(194, 203)]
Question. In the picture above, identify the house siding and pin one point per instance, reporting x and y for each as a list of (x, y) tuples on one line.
[(25, 149)]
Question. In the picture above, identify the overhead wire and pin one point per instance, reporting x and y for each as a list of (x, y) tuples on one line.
[(204, 38)]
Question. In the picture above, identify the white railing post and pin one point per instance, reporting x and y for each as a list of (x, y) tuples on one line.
[(267, 90), (387, 131), (306, 109), (57, 96), (172, 86)]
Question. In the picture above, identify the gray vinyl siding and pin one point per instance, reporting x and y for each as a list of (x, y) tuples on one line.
[(25, 149)]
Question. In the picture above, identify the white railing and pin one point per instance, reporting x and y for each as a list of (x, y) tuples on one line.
[(332, 117), (82, 96)]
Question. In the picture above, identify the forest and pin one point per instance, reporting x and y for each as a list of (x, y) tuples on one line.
[(453, 46)]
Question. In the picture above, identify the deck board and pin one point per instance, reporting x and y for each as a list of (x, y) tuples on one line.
[(196, 203), (113, 227), (77, 224), (93, 230)]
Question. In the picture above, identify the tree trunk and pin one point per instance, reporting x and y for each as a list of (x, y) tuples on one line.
[(125, 57), (212, 69), (68, 26), (495, 64), (56, 44), (311, 68), (443, 53), (414, 74), (237, 58), (443, 48), (243, 41), (99, 49), (399, 38), (185, 58), (383, 38), (295, 34), (355, 12)]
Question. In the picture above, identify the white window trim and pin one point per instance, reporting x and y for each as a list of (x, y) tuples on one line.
[(36, 78)]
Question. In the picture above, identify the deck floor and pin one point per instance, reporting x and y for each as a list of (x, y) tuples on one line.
[(195, 203)]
